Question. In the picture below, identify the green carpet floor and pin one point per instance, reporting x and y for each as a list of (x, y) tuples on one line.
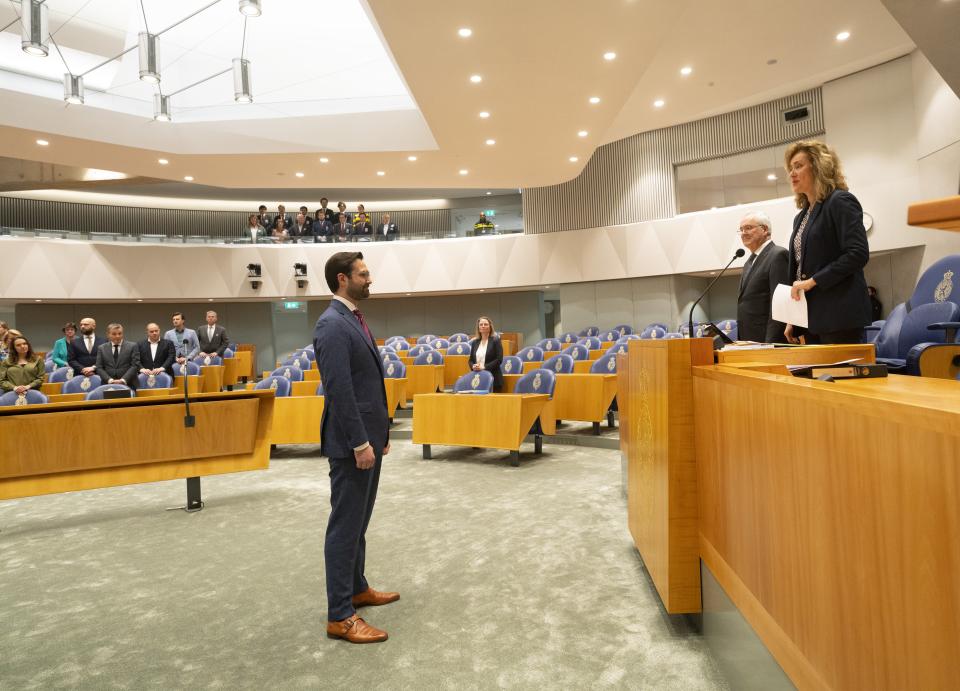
[(509, 578)]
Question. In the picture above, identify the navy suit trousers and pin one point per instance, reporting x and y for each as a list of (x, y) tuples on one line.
[(353, 493)]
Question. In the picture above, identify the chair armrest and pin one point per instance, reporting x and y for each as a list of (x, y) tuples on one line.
[(939, 360), (873, 327), (949, 328)]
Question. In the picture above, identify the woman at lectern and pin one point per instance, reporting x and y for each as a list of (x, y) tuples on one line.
[(828, 248), (486, 352), (22, 369)]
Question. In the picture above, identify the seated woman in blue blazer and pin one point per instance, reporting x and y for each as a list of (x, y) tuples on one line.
[(486, 352)]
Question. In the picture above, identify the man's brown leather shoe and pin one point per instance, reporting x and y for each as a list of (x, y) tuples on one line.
[(374, 597), (355, 630)]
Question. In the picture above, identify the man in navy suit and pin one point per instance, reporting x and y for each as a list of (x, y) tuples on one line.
[(354, 435), (82, 353), (156, 354)]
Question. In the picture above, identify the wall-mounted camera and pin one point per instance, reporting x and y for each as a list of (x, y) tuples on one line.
[(300, 273), (253, 275)]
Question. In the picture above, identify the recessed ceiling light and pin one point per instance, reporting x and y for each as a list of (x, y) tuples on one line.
[(574, 159), (659, 103), (582, 133), (465, 32), (381, 173), (481, 290), (43, 142), (476, 78), (686, 71), (484, 114), (491, 142), (610, 55), (489, 193), (324, 159), (139, 299), (594, 100), (464, 171), (408, 293), (162, 161), (188, 178), (37, 300), (209, 299), (771, 177), (411, 158), (843, 35), (299, 174)]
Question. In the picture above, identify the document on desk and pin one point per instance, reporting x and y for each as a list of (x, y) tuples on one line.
[(787, 310)]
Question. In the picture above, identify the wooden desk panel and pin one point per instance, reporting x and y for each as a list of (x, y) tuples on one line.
[(396, 395), (800, 355), (245, 363), (51, 389), (297, 420), (494, 421), (454, 366), (424, 379), (584, 397), (829, 514)]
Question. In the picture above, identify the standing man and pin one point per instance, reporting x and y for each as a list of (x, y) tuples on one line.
[(282, 214), (327, 213), (118, 361), (184, 340), (387, 230), (82, 353), (765, 268), (156, 354), (213, 339), (354, 435)]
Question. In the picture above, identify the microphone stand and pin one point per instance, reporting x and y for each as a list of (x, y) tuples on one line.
[(736, 255)]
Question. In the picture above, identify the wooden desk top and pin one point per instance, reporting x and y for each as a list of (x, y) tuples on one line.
[(943, 214), (800, 355), (130, 402)]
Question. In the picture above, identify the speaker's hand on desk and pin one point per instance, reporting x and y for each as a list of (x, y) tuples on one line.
[(365, 459)]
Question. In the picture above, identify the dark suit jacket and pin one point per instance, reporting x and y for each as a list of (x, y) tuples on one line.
[(166, 355), (295, 231), (329, 214), (392, 229), (362, 229), (126, 366), (834, 251), (346, 231), (352, 375), (219, 342), (491, 361), (77, 355), (287, 221), (322, 229), (754, 322)]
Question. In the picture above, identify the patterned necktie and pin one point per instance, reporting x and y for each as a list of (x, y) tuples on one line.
[(798, 240), (359, 315)]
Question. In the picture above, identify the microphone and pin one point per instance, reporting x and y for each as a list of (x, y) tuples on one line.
[(736, 255), (188, 419)]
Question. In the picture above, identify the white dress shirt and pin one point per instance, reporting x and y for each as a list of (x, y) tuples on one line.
[(482, 352)]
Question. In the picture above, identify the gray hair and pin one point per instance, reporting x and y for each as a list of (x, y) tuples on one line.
[(111, 327), (760, 218)]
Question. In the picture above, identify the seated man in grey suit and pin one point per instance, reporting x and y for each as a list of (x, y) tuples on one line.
[(213, 339), (765, 268), (387, 230), (302, 228), (118, 361)]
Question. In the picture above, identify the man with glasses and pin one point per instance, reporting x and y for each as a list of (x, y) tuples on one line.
[(765, 268)]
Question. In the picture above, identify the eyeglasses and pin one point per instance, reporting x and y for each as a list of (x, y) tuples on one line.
[(746, 229)]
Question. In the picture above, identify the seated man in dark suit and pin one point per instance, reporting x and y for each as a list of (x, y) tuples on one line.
[(302, 228), (156, 354), (387, 230), (213, 338), (765, 268), (82, 353), (322, 228), (118, 361), (362, 228), (342, 230)]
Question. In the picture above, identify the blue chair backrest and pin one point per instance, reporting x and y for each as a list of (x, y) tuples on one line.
[(227, 354), (394, 370), (398, 343), (550, 345), (97, 393), (298, 361), (281, 385), (429, 357), (511, 364), (389, 356), (657, 324), (697, 330), (590, 342), (609, 336), (871, 335), (577, 351), (81, 384), (474, 381), (319, 391), (617, 348), (672, 334), (537, 381), (155, 381), (914, 329), (288, 372), (459, 349), (208, 360), (460, 338), (308, 354), (561, 363), (937, 283), (531, 354), (192, 368), (417, 349), (887, 342), (440, 343), (61, 374), (426, 338), (653, 332), (567, 338), (623, 329), (605, 364), (387, 346), (626, 338), (589, 331), (48, 366), (30, 397)]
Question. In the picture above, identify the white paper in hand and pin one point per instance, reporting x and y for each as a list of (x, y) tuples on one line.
[(787, 310)]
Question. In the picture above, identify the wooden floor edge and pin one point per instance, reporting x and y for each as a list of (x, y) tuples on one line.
[(791, 659)]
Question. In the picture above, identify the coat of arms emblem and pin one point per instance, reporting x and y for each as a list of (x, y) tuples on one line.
[(944, 287)]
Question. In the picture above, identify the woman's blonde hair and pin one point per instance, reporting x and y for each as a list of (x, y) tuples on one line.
[(825, 165), (493, 331)]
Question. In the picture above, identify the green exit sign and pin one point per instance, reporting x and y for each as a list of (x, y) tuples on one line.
[(489, 212), (292, 305)]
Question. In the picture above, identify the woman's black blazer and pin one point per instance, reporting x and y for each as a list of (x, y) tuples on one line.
[(833, 252), (491, 361)]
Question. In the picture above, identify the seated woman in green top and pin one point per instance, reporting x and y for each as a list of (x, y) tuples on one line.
[(22, 369), (61, 349)]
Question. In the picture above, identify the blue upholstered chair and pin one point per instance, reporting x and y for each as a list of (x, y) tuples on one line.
[(394, 370), (97, 393), (605, 364), (916, 335), (429, 357), (577, 351), (389, 356), (288, 372), (459, 349), (49, 366), (193, 369), (609, 336), (590, 342), (672, 334), (298, 361), (280, 386), (560, 363), (208, 360), (228, 353), (589, 331), (308, 354), (61, 374), (511, 364), (440, 344), (629, 337), (872, 332), (617, 348), (398, 343), (550, 345), (155, 381), (426, 338), (623, 329), (537, 381), (567, 337), (729, 327), (386, 346), (30, 397), (657, 324), (460, 338), (417, 349), (319, 391), (474, 381), (653, 332), (531, 354), (81, 384)]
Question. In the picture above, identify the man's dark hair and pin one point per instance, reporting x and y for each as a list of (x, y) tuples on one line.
[(339, 263), (177, 314), (263, 207), (324, 199)]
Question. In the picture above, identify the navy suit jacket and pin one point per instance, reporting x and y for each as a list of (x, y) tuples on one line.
[(166, 354), (833, 252), (352, 374), (77, 355)]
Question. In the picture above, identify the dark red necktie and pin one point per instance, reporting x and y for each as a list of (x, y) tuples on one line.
[(359, 315)]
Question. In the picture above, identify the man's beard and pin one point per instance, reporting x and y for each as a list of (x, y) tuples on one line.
[(358, 293), (86, 332)]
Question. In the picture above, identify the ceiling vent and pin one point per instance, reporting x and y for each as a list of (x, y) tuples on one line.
[(794, 115)]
